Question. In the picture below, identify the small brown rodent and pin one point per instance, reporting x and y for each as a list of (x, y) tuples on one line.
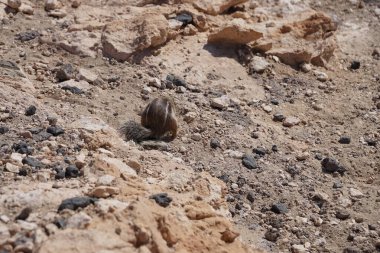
[(158, 121)]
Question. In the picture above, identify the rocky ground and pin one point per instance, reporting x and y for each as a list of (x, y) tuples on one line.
[(278, 105)]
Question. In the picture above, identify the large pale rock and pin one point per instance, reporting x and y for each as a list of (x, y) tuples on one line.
[(217, 6), (113, 166), (122, 38), (237, 31)]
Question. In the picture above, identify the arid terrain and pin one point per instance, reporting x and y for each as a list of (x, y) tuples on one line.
[(278, 106)]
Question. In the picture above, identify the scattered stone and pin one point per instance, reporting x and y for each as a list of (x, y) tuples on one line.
[(260, 151), (249, 162), (87, 75), (55, 130), (274, 148), (26, 36), (337, 185), (215, 143), (76, 202), (236, 31), (22, 148), (79, 221), (71, 171), (72, 89), (330, 165), (106, 180), (278, 117), (305, 67), (14, 4), (267, 108), (355, 65), (12, 168), (52, 5), (32, 162), (162, 199), (189, 117), (176, 80), (229, 236), (23, 172), (251, 197), (185, 18), (196, 137), (76, 3), (258, 65), (354, 193), (344, 140), (220, 103), (342, 214), (3, 129), (26, 9), (104, 191), (291, 121), (60, 173), (271, 236), (279, 208), (31, 110), (321, 76), (24, 214), (65, 72)]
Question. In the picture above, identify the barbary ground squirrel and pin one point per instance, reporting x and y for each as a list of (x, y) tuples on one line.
[(158, 122)]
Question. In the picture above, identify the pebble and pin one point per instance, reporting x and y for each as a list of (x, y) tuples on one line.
[(175, 80), (344, 140), (279, 208), (258, 65), (52, 5), (215, 143), (330, 165), (32, 162), (71, 171), (260, 151), (22, 148), (229, 236), (355, 65), (26, 9), (342, 214), (87, 75), (55, 130), (337, 185), (291, 121), (104, 191), (190, 117), (79, 221), (162, 199), (3, 129), (321, 76), (24, 214), (249, 162), (221, 102), (65, 72), (267, 108), (31, 110), (14, 4), (76, 202), (196, 136), (12, 168), (305, 67), (278, 117), (271, 236), (106, 180), (354, 193), (251, 196)]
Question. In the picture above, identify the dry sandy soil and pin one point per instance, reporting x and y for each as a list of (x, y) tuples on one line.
[(278, 106)]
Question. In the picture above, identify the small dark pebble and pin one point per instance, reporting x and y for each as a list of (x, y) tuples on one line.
[(35, 130), (76, 202), (271, 236), (342, 214), (71, 172), (372, 143), (279, 208), (215, 143), (23, 172), (318, 156), (42, 136), (31, 110), (337, 185), (24, 214), (278, 117), (249, 162), (355, 65), (60, 222), (274, 148), (60, 173), (65, 72), (32, 162), (185, 18), (22, 148), (55, 130), (3, 129), (177, 81), (372, 226), (72, 89), (330, 165), (26, 36), (293, 170), (260, 151), (251, 197), (275, 102), (344, 140), (162, 199), (254, 135), (224, 177)]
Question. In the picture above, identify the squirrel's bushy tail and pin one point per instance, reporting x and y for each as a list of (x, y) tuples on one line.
[(135, 131)]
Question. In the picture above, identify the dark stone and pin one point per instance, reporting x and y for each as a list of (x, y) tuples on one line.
[(71, 171), (3, 129), (274, 148), (76, 202), (275, 102), (372, 226), (337, 185), (22, 148), (318, 156), (224, 178), (342, 214), (344, 140), (55, 130), (185, 18), (24, 214), (251, 197), (355, 65), (26, 36), (254, 135), (60, 173), (60, 222), (23, 172), (215, 143), (279, 208), (31, 110), (271, 236), (8, 65), (162, 199), (72, 89), (65, 72), (372, 143), (249, 162), (293, 170), (260, 151), (330, 165), (32, 162), (278, 117), (42, 136), (35, 130), (177, 81)]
